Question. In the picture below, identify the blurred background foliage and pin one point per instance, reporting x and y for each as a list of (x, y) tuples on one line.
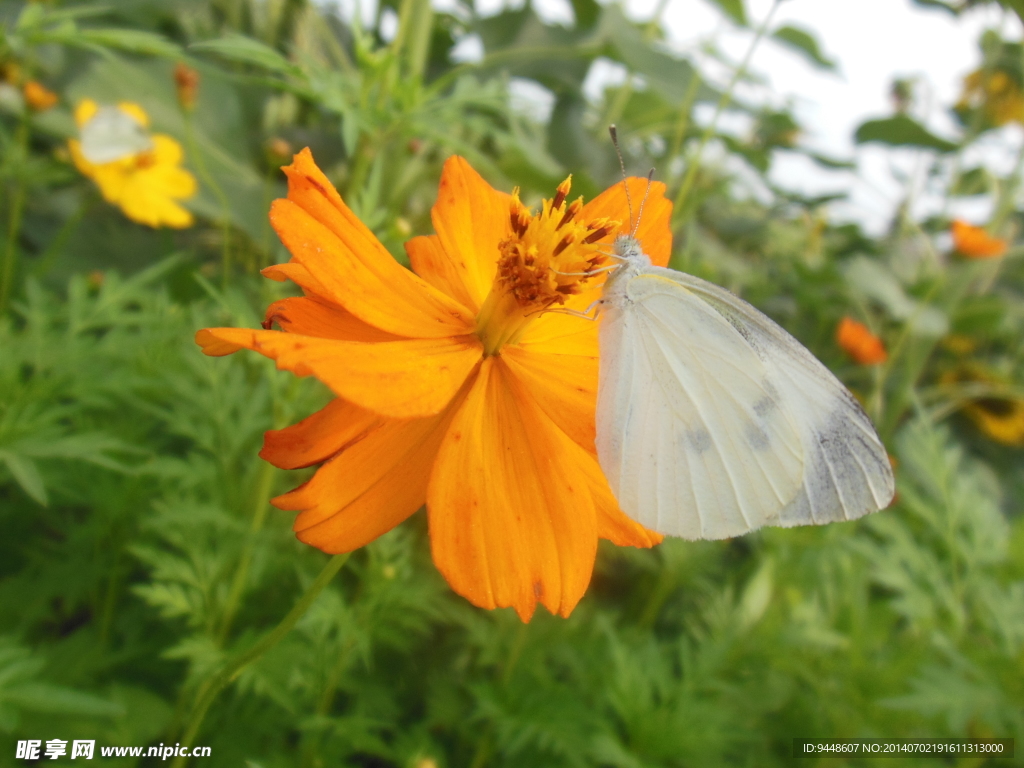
[(139, 555)]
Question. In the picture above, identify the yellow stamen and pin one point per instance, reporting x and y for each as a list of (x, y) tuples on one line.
[(546, 259)]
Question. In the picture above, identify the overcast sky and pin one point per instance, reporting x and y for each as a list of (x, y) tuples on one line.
[(872, 42)]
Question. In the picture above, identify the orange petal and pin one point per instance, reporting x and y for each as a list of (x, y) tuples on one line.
[(320, 436), (353, 267), (403, 379), (385, 295), (511, 522), (470, 218), (312, 317), (430, 262), (564, 386), (370, 487), (612, 523), (298, 274), (654, 232)]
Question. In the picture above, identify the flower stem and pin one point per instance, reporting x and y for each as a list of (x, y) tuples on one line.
[(209, 691), (723, 102), (225, 206), (14, 219), (259, 515)]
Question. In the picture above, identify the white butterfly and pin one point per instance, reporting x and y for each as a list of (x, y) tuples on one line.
[(713, 421), (112, 134)]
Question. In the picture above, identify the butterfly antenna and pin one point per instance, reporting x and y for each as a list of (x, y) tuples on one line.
[(640, 213), (629, 203)]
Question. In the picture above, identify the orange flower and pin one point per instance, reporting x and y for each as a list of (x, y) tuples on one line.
[(974, 242), (38, 97), (859, 343), (455, 388)]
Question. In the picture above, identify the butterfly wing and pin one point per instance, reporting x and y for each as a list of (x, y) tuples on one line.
[(692, 432), (847, 472), (111, 135)]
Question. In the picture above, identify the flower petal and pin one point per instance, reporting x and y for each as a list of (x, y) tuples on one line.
[(563, 386), (374, 484), (403, 379), (313, 317), (612, 523), (356, 270), (299, 275), (429, 261), (654, 231), (320, 436), (470, 218), (511, 523), (387, 296)]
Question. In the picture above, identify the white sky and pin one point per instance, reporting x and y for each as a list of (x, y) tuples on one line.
[(872, 41)]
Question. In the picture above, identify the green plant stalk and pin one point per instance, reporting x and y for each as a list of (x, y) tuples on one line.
[(723, 102), (233, 668), (683, 123), (204, 174), (14, 220), (618, 106), (63, 235), (419, 39), (264, 483)]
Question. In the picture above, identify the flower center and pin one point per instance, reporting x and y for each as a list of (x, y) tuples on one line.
[(546, 259)]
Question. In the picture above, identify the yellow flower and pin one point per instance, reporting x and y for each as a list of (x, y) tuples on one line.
[(137, 171), (1001, 418), (974, 242), (38, 97), (455, 387), (996, 93)]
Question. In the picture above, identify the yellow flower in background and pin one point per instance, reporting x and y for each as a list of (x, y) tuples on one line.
[(137, 171), (38, 97), (974, 242), (996, 93), (1000, 418)]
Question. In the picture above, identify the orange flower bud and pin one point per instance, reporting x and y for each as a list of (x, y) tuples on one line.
[(974, 242), (186, 80), (859, 343), (38, 97)]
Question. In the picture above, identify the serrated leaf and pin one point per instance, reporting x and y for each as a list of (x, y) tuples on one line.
[(245, 50), (901, 131), (804, 43), (26, 475)]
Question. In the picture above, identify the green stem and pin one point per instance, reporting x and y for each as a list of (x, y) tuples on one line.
[(64, 234), (14, 219), (233, 668), (225, 206), (259, 515), (723, 102)]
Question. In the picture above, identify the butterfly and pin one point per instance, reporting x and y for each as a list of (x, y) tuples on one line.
[(112, 134), (713, 421)]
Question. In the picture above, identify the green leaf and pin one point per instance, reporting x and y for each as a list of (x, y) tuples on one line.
[(55, 699), (974, 181), (733, 9), (805, 44), (831, 162), (26, 475), (901, 131), (245, 50), (131, 41)]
